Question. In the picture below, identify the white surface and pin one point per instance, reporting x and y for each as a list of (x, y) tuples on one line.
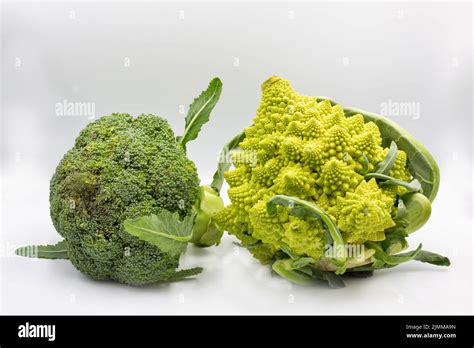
[(404, 52), (233, 282)]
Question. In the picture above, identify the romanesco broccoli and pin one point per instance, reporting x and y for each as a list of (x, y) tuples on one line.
[(310, 149), (340, 180)]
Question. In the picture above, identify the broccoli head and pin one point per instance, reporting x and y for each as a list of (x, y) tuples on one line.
[(120, 168)]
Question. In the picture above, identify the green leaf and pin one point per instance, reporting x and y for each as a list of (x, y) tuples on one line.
[(417, 255), (365, 167), (288, 252), (360, 274), (386, 165), (302, 262), (200, 110), (412, 186), (395, 241), (186, 273), (334, 281), (369, 268), (379, 264), (299, 207), (401, 215), (381, 255), (300, 272), (52, 251), (306, 270), (432, 258), (224, 162), (418, 211), (284, 269), (164, 230)]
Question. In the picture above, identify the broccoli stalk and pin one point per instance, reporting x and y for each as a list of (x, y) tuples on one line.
[(205, 231)]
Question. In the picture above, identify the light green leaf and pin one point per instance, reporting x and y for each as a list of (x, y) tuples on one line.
[(386, 165), (418, 211), (381, 255), (285, 270), (376, 266), (302, 262), (401, 215), (306, 270), (334, 281), (299, 207), (365, 167), (186, 273), (432, 258), (164, 230), (288, 252), (421, 255), (224, 162), (52, 251), (200, 110), (379, 264), (412, 186), (395, 241), (300, 272)]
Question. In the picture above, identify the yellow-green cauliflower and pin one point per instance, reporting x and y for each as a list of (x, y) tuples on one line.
[(300, 147)]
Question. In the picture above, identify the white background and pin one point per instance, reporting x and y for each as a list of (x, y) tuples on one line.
[(360, 54)]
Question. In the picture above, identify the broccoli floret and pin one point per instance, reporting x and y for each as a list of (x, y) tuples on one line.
[(121, 168)]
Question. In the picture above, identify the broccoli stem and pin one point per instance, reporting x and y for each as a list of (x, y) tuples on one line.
[(205, 231)]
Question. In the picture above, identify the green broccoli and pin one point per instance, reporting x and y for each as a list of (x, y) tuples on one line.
[(124, 173), (311, 178), (120, 168)]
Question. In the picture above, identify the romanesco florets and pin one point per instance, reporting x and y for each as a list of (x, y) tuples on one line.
[(313, 151), (363, 215)]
